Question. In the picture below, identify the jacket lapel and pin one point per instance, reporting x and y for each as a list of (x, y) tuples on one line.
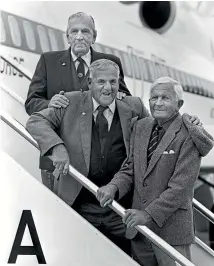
[(86, 110), (125, 114), (164, 143), (67, 71)]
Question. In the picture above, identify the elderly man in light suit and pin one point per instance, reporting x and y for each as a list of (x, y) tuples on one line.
[(163, 165), (93, 135)]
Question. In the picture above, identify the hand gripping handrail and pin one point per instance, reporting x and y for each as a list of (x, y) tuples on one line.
[(25, 72), (169, 250)]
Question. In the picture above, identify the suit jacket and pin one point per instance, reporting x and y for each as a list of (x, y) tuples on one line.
[(165, 188), (56, 72), (75, 126)]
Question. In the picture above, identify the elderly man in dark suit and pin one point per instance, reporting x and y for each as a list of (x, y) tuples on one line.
[(94, 133), (64, 71), (162, 166)]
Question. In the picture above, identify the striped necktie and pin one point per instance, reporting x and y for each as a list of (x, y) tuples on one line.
[(80, 69), (153, 143), (102, 126)]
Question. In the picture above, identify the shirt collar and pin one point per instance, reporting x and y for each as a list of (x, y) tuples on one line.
[(86, 57), (111, 106)]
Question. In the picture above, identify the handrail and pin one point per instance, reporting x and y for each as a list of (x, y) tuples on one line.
[(204, 246), (203, 210), (169, 250), (12, 93), (206, 182), (197, 205), (17, 66)]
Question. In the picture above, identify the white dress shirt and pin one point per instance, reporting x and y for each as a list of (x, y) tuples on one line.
[(108, 113), (86, 58)]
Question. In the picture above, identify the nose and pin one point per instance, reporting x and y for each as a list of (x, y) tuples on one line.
[(159, 101), (107, 85), (79, 35)]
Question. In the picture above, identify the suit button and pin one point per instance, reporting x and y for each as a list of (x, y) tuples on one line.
[(103, 157), (144, 201), (145, 185)]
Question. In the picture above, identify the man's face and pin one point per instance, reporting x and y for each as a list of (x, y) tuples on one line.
[(80, 35), (163, 102), (104, 85)]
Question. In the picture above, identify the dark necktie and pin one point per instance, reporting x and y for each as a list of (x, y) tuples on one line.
[(153, 143), (102, 126), (80, 69)]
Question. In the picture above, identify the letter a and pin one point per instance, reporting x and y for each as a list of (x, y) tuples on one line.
[(17, 249)]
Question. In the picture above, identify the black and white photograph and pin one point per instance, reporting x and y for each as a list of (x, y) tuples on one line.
[(107, 133)]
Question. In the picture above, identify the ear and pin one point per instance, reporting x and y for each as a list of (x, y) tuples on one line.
[(94, 36), (180, 103)]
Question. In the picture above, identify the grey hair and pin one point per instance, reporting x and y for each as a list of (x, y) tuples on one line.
[(102, 64), (81, 15), (167, 80)]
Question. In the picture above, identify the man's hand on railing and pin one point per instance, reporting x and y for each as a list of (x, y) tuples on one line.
[(59, 100), (106, 194), (135, 217), (60, 159)]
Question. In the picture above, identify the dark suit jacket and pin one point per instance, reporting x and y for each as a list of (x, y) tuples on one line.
[(165, 188), (75, 127), (56, 72)]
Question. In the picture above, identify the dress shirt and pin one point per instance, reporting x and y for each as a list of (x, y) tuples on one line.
[(108, 113), (165, 126), (86, 58)]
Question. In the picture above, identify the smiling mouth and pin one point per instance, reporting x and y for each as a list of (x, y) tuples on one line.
[(106, 94)]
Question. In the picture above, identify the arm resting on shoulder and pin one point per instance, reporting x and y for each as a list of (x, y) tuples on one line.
[(37, 94)]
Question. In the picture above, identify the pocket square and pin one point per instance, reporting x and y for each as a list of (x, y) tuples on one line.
[(165, 152), (171, 152)]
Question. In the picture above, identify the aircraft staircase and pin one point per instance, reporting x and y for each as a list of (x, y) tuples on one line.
[(64, 237)]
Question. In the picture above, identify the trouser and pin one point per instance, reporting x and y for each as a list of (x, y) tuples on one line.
[(148, 254), (107, 222), (48, 179)]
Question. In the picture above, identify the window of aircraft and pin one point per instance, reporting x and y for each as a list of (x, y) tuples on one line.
[(127, 66), (171, 73), (157, 70), (43, 38), (14, 30), (29, 35), (53, 40), (151, 69), (183, 78), (3, 33), (163, 70), (136, 67), (118, 54), (143, 69)]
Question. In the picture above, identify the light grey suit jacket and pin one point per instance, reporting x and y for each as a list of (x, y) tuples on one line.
[(165, 188), (74, 126)]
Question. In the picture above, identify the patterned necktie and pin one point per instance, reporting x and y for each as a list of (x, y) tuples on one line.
[(102, 126), (153, 143), (80, 69)]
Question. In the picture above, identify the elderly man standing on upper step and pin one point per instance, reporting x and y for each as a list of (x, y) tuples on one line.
[(64, 71)]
